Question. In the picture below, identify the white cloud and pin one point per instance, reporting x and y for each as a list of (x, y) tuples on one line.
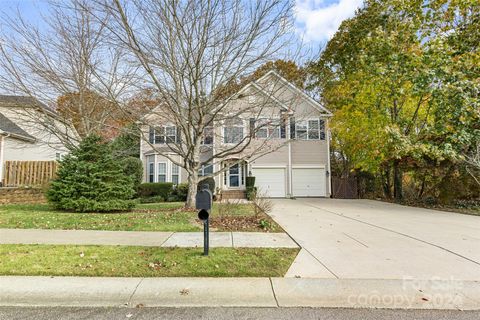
[(318, 20)]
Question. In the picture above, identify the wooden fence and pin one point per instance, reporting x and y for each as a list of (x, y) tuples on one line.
[(344, 187), (28, 173)]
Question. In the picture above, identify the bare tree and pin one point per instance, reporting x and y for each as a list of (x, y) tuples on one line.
[(472, 162), (64, 56), (190, 51)]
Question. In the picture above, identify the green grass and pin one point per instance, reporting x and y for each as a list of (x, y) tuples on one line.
[(167, 216), (124, 261), (151, 217)]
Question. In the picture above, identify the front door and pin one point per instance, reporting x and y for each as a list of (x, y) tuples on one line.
[(234, 176)]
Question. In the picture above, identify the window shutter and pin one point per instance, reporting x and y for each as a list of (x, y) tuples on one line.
[(322, 129), (151, 135), (252, 127), (292, 128), (179, 135), (283, 129)]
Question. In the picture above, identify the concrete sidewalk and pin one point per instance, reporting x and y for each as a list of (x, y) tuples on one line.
[(239, 292), (143, 238)]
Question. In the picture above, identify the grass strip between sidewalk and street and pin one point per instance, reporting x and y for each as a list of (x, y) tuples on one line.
[(128, 261)]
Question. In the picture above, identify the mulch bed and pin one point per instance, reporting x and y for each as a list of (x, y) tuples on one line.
[(244, 223)]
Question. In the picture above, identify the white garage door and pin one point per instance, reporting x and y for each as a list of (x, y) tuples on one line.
[(270, 181), (308, 182)]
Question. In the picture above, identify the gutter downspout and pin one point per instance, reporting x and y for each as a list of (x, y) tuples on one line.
[(2, 151), (290, 169)]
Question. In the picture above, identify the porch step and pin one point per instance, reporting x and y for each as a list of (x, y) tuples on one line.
[(233, 194)]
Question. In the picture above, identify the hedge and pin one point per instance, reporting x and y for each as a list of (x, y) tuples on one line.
[(162, 189)]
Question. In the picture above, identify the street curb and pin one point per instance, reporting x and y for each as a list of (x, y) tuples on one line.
[(239, 292)]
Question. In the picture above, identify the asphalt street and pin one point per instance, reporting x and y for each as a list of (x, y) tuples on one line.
[(56, 313)]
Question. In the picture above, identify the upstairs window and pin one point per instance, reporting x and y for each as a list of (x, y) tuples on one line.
[(207, 136), (267, 129), (165, 134), (233, 130), (311, 129)]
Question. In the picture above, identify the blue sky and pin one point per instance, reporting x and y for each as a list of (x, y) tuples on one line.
[(315, 20)]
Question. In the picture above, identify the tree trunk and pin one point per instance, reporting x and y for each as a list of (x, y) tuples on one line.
[(397, 181), (192, 189), (387, 187)]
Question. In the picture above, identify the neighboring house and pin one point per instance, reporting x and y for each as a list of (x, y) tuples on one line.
[(298, 166), (22, 135)]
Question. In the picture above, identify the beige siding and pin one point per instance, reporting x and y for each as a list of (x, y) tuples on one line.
[(309, 152), (278, 157), (44, 148), (303, 153)]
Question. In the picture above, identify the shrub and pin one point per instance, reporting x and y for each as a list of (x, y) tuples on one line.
[(90, 179), (211, 184), (261, 204), (133, 168), (249, 182), (154, 199), (152, 189), (179, 193), (251, 193)]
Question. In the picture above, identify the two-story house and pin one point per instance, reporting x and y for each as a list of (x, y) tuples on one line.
[(23, 136), (288, 154)]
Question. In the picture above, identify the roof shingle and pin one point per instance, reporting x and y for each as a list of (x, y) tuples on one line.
[(8, 126)]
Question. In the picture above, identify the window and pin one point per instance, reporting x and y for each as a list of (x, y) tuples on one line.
[(205, 170), (301, 129), (171, 134), (175, 173), (162, 135), (312, 129), (233, 130), (207, 136), (162, 172), (267, 129), (150, 169)]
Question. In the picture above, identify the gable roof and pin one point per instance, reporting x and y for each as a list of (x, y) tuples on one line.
[(288, 84), (256, 86), (9, 127), (25, 102)]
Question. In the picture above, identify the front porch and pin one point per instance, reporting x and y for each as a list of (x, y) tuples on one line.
[(234, 179)]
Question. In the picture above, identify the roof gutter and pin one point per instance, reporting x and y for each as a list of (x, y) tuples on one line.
[(17, 136)]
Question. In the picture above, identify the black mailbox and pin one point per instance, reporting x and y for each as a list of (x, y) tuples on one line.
[(204, 199), (203, 214)]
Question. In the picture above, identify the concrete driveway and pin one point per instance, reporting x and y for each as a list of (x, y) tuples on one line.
[(364, 239)]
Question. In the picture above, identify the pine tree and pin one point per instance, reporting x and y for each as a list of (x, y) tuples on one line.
[(91, 179)]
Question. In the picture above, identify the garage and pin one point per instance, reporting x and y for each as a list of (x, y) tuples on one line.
[(270, 181), (308, 182)]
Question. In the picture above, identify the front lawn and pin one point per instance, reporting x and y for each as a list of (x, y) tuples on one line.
[(168, 216), (125, 261)]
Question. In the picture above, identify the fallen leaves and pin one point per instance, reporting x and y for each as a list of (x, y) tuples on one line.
[(242, 223)]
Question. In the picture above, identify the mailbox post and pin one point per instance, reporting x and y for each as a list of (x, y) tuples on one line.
[(203, 202)]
